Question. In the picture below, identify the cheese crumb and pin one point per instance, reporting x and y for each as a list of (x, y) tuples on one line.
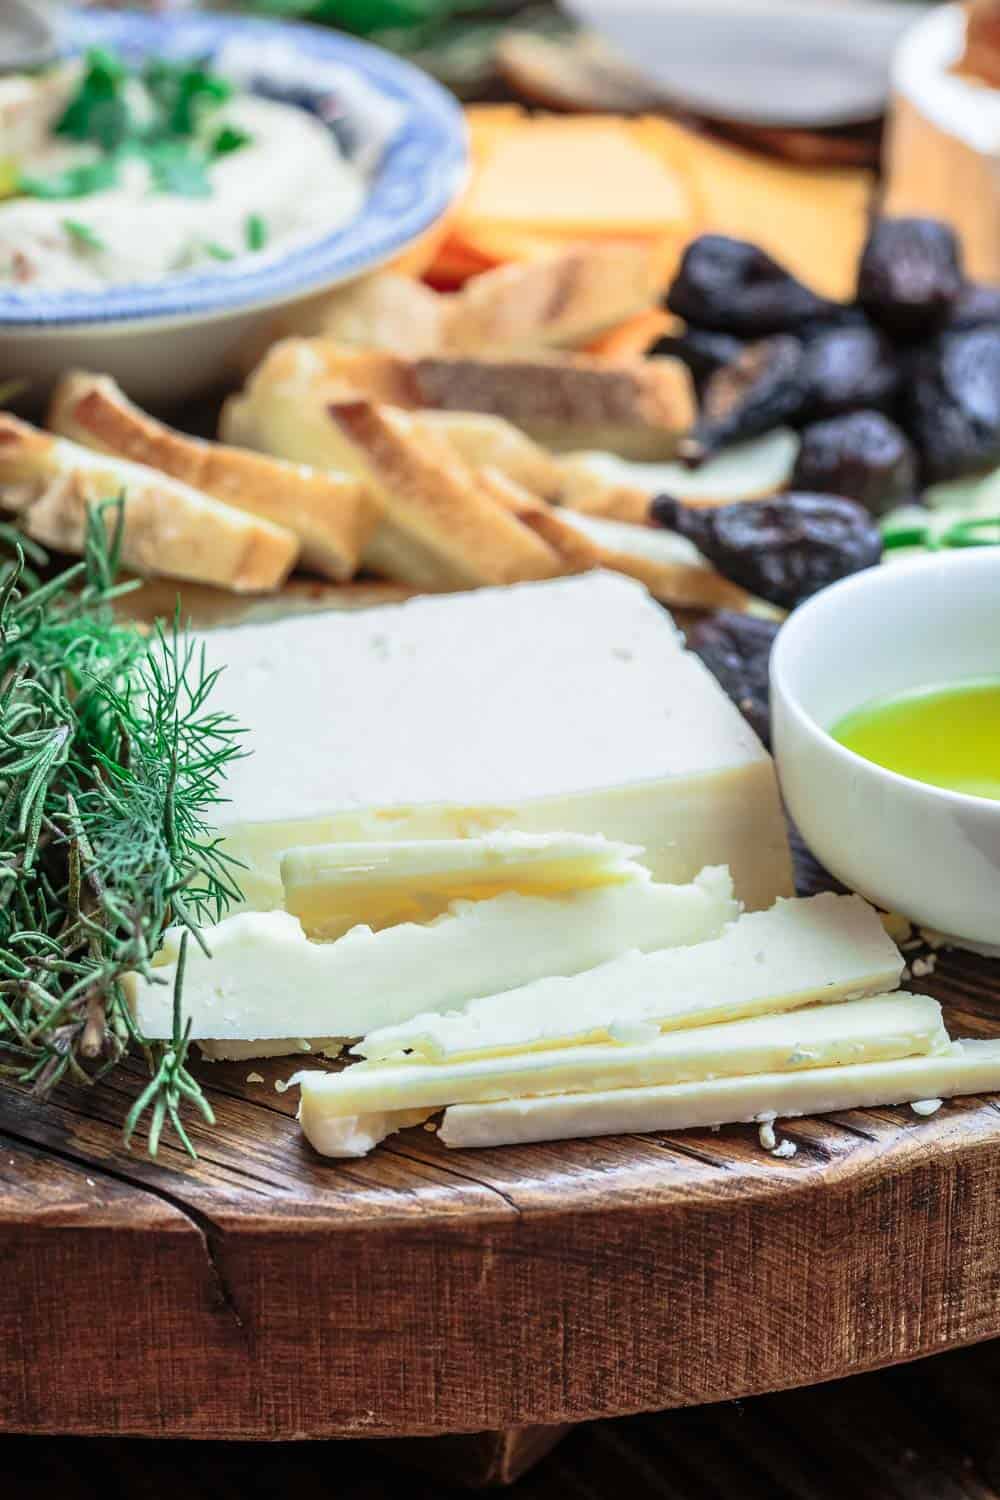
[(255, 1078), (921, 967), (785, 1149), (925, 1106), (768, 1139), (281, 1087)]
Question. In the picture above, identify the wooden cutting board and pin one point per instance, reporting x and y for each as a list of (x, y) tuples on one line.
[(266, 1293)]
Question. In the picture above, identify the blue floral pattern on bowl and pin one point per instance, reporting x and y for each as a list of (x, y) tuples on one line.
[(416, 178)]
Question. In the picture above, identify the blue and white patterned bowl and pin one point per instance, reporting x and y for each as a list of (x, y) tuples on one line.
[(170, 338)]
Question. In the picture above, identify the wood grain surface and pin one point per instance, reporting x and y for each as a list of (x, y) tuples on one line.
[(926, 1431), (266, 1293)]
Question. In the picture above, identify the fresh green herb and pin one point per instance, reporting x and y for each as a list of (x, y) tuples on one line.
[(256, 232), (228, 140), (111, 760), (99, 110), (937, 532), (160, 115), (83, 236), (176, 168), (218, 252), (183, 93), (73, 182)]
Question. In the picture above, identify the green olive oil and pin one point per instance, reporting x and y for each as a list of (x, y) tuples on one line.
[(947, 736)]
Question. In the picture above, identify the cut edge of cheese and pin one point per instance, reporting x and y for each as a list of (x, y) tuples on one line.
[(334, 887), (968, 1067), (869, 1030), (264, 979), (825, 948)]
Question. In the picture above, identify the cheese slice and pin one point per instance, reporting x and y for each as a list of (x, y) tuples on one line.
[(334, 887), (746, 471), (969, 1067), (827, 1036), (568, 706), (823, 947), (266, 980)]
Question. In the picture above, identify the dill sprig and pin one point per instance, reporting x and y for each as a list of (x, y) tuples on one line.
[(111, 759)]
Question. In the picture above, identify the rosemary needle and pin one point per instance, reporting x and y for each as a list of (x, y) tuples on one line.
[(111, 759)]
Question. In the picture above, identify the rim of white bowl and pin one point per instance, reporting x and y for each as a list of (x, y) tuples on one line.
[(984, 560), (420, 175)]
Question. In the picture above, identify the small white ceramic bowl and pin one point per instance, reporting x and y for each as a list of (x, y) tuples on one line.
[(174, 338), (933, 855)]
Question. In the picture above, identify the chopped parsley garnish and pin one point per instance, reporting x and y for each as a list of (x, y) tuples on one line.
[(73, 182), (161, 114), (177, 169), (83, 236), (256, 232), (218, 252), (228, 140)]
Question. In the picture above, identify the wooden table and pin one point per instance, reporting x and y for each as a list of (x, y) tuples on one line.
[(926, 1431)]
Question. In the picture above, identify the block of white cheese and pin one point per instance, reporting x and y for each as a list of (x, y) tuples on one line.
[(568, 706), (823, 947), (871, 1030), (265, 979), (968, 1067), (334, 887)]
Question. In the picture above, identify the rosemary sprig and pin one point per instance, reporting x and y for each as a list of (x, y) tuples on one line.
[(111, 759)]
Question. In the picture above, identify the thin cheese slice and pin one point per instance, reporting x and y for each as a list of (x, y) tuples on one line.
[(265, 979), (746, 471), (827, 1036), (824, 948), (969, 1067), (334, 887)]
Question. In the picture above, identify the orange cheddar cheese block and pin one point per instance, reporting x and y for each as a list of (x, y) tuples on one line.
[(596, 174), (543, 182)]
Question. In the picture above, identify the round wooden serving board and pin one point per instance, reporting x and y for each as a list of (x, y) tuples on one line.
[(266, 1293)]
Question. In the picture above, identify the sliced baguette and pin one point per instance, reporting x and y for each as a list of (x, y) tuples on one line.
[(636, 407), (332, 515), (630, 406), (170, 528), (440, 528), (556, 303), (491, 442), (383, 311)]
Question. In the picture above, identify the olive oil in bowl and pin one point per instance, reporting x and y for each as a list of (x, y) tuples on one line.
[(945, 736)]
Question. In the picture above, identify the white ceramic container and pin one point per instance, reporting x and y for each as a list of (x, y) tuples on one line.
[(932, 854)]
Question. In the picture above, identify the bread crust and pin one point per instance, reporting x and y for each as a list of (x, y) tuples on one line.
[(332, 515), (170, 529), (439, 522)]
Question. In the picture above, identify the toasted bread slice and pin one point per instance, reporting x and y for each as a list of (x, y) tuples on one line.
[(383, 311), (332, 515), (637, 407), (170, 528), (642, 404), (440, 528), (557, 303), (485, 441), (576, 552)]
